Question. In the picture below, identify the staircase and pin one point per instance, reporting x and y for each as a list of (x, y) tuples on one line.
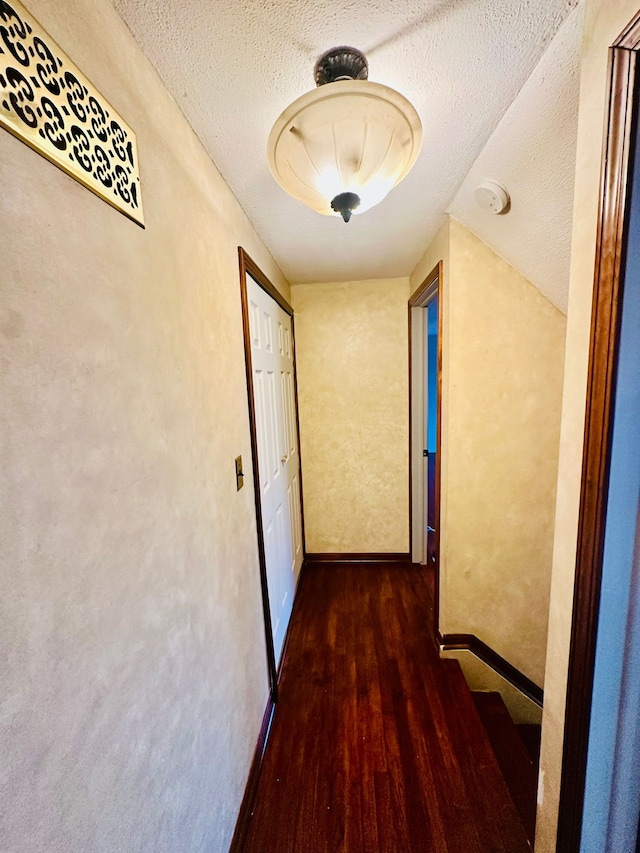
[(516, 749), (492, 739), (377, 743)]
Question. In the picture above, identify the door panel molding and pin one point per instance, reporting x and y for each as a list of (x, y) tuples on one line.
[(604, 343), (249, 268)]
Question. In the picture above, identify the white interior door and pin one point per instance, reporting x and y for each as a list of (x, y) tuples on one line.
[(278, 456)]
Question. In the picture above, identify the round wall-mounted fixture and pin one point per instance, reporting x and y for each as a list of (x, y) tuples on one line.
[(342, 147), (492, 197)]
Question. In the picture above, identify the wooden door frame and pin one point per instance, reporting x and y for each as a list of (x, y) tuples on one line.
[(431, 285), (249, 267), (621, 121)]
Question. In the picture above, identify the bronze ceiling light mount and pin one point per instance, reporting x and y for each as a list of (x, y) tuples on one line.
[(341, 63)]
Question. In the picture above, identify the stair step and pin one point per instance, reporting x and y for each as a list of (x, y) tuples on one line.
[(530, 734), (480, 760), (518, 768)]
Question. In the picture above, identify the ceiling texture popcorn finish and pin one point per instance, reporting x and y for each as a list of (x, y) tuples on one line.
[(234, 65), (533, 151)]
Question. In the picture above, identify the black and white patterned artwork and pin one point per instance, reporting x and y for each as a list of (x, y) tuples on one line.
[(47, 102)]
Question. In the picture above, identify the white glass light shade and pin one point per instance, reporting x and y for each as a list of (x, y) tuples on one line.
[(347, 136)]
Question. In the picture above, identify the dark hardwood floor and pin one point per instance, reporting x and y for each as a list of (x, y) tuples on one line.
[(376, 746)]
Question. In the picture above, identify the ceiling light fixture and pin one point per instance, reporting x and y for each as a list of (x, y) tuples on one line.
[(342, 147)]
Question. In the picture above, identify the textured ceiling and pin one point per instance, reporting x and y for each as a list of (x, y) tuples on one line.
[(532, 153), (234, 65)]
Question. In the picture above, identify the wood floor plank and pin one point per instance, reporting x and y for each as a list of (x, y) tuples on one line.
[(372, 749)]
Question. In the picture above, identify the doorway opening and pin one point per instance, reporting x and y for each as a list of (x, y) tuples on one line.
[(599, 788), (425, 388), (275, 442)]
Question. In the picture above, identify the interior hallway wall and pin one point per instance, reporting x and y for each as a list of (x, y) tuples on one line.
[(502, 379), (134, 679), (605, 20), (352, 357)]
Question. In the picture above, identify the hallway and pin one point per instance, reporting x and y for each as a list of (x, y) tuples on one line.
[(375, 745)]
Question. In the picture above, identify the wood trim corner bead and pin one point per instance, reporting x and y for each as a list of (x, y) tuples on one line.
[(251, 788), (598, 423), (248, 265), (435, 276), (629, 39), (471, 643)]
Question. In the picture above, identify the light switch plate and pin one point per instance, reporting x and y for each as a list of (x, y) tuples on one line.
[(239, 474)]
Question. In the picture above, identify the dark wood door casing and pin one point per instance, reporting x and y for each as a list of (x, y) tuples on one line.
[(433, 280), (249, 267), (605, 329)]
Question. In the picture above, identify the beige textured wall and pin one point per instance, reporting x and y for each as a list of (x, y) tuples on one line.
[(605, 20), (352, 351), (135, 678), (503, 347), (437, 250), (506, 353)]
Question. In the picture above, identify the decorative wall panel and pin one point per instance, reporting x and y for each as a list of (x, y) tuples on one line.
[(47, 102)]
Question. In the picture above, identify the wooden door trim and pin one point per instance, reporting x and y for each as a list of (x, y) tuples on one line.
[(605, 331), (434, 276), (433, 281), (296, 398), (248, 266), (243, 820), (629, 38)]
